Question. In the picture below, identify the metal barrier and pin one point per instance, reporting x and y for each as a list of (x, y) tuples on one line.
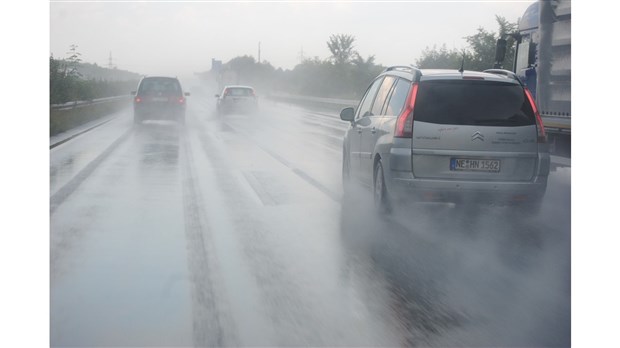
[(329, 102), (83, 103), (64, 117)]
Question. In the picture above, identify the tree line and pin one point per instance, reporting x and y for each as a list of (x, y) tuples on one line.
[(346, 74), (72, 80)]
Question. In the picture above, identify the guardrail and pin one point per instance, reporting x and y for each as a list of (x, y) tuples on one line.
[(83, 103), (317, 99), (331, 103), (64, 117)]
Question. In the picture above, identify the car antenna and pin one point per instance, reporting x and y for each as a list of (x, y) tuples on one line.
[(462, 63)]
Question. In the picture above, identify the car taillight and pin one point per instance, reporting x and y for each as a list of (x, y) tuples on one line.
[(138, 99), (404, 123), (540, 127), (181, 100)]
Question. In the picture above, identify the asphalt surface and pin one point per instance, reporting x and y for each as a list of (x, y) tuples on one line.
[(233, 231)]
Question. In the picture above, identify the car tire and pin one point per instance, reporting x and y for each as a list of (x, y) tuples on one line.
[(380, 193)]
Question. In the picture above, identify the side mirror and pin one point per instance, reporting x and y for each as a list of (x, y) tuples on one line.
[(133, 93), (347, 114), (187, 94), (531, 55), (500, 51), (217, 95)]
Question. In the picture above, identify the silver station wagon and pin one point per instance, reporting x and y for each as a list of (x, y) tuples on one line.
[(447, 136)]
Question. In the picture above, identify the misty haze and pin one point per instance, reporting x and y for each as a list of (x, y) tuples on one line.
[(310, 174)]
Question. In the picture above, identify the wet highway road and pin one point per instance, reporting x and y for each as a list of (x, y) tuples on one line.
[(232, 231)]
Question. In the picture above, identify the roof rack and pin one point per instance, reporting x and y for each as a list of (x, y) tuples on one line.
[(400, 67), (414, 70), (504, 72)]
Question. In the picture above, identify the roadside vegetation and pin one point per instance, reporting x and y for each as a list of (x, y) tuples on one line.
[(71, 81), (345, 73)]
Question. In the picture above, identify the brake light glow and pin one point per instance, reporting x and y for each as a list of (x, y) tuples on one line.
[(138, 99), (404, 123), (181, 100), (542, 136)]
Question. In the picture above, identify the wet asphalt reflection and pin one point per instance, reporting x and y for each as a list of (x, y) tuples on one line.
[(234, 231)]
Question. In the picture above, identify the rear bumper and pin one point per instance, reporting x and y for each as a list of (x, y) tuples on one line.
[(404, 186), (159, 113), (238, 105), (401, 183)]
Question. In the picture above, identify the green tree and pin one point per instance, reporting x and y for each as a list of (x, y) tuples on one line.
[(441, 58), (65, 87), (244, 67), (505, 29), (364, 71), (59, 91), (482, 45), (480, 54), (309, 78), (74, 60), (249, 71), (341, 48)]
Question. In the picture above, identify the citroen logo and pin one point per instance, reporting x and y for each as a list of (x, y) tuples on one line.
[(477, 136)]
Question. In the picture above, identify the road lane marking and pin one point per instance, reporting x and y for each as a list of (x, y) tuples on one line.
[(300, 173), (64, 192)]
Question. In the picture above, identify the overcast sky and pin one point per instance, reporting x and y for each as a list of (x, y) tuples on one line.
[(99, 28), (181, 37)]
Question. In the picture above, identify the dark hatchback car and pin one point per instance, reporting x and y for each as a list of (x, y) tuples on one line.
[(236, 99), (446, 135), (159, 98)]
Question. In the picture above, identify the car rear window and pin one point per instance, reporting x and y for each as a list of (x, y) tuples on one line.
[(160, 85), (473, 102), (239, 92)]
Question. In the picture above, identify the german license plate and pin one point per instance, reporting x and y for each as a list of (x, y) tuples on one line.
[(160, 99), (475, 165)]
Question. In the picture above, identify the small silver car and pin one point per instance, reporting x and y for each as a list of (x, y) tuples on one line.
[(236, 99), (447, 136)]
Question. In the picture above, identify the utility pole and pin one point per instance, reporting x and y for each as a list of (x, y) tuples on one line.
[(301, 54), (110, 64), (259, 52)]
